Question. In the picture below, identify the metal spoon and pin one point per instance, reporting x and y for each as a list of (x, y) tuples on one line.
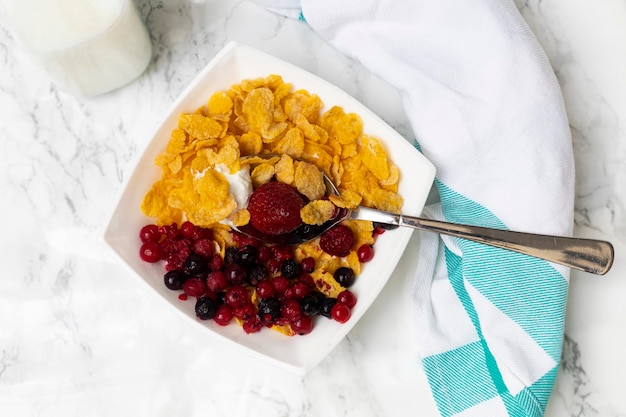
[(589, 255)]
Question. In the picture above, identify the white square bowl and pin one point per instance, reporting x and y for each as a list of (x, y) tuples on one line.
[(230, 66)]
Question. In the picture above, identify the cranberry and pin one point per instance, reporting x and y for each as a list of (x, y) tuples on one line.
[(280, 284), (194, 287), (236, 296), (291, 310), (365, 253), (150, 233), (308, 264), (300, 290), (337, 241), (244, 311), (347, 297), (187, 229), (252, 325), (150, 252), (235, 274), (288, 293), (223, 315), (302, 325), (265, 289), (340, 312), (216, 281)]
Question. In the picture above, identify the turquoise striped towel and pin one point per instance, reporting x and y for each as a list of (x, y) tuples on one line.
[(487, 110)]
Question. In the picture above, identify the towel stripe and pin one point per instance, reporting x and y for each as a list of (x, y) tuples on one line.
[(459, 379), (515, 273)]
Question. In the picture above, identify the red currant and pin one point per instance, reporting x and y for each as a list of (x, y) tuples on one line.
[(235, 274), (308, 264), (300, 290), (340, 312), (244, 311), (150, 233), (291, 310), (280, 284), (252, 325), (224, 315), (302, 325), (236, 296), (265, 289), (150, 252), (187, 229), (347, 297), (288, 293), (365, 253)]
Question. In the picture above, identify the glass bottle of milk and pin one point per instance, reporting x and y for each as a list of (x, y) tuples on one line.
[(88, 47)]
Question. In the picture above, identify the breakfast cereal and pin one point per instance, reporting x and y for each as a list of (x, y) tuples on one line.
[(208, 146)]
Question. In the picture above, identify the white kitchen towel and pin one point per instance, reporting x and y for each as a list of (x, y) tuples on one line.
[(486, 109)]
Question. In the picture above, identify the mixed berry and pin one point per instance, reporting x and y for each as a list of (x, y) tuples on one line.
[(256, 284)]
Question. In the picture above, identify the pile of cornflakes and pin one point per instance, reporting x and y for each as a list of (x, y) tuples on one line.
[(262, 116)]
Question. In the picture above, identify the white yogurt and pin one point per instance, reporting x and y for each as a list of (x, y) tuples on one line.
[(88, 47), (240, 184)]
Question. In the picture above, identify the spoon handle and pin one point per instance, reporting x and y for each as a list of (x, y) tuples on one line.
[(589, 255)]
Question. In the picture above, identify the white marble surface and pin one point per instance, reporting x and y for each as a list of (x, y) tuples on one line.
[(79, 336)]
